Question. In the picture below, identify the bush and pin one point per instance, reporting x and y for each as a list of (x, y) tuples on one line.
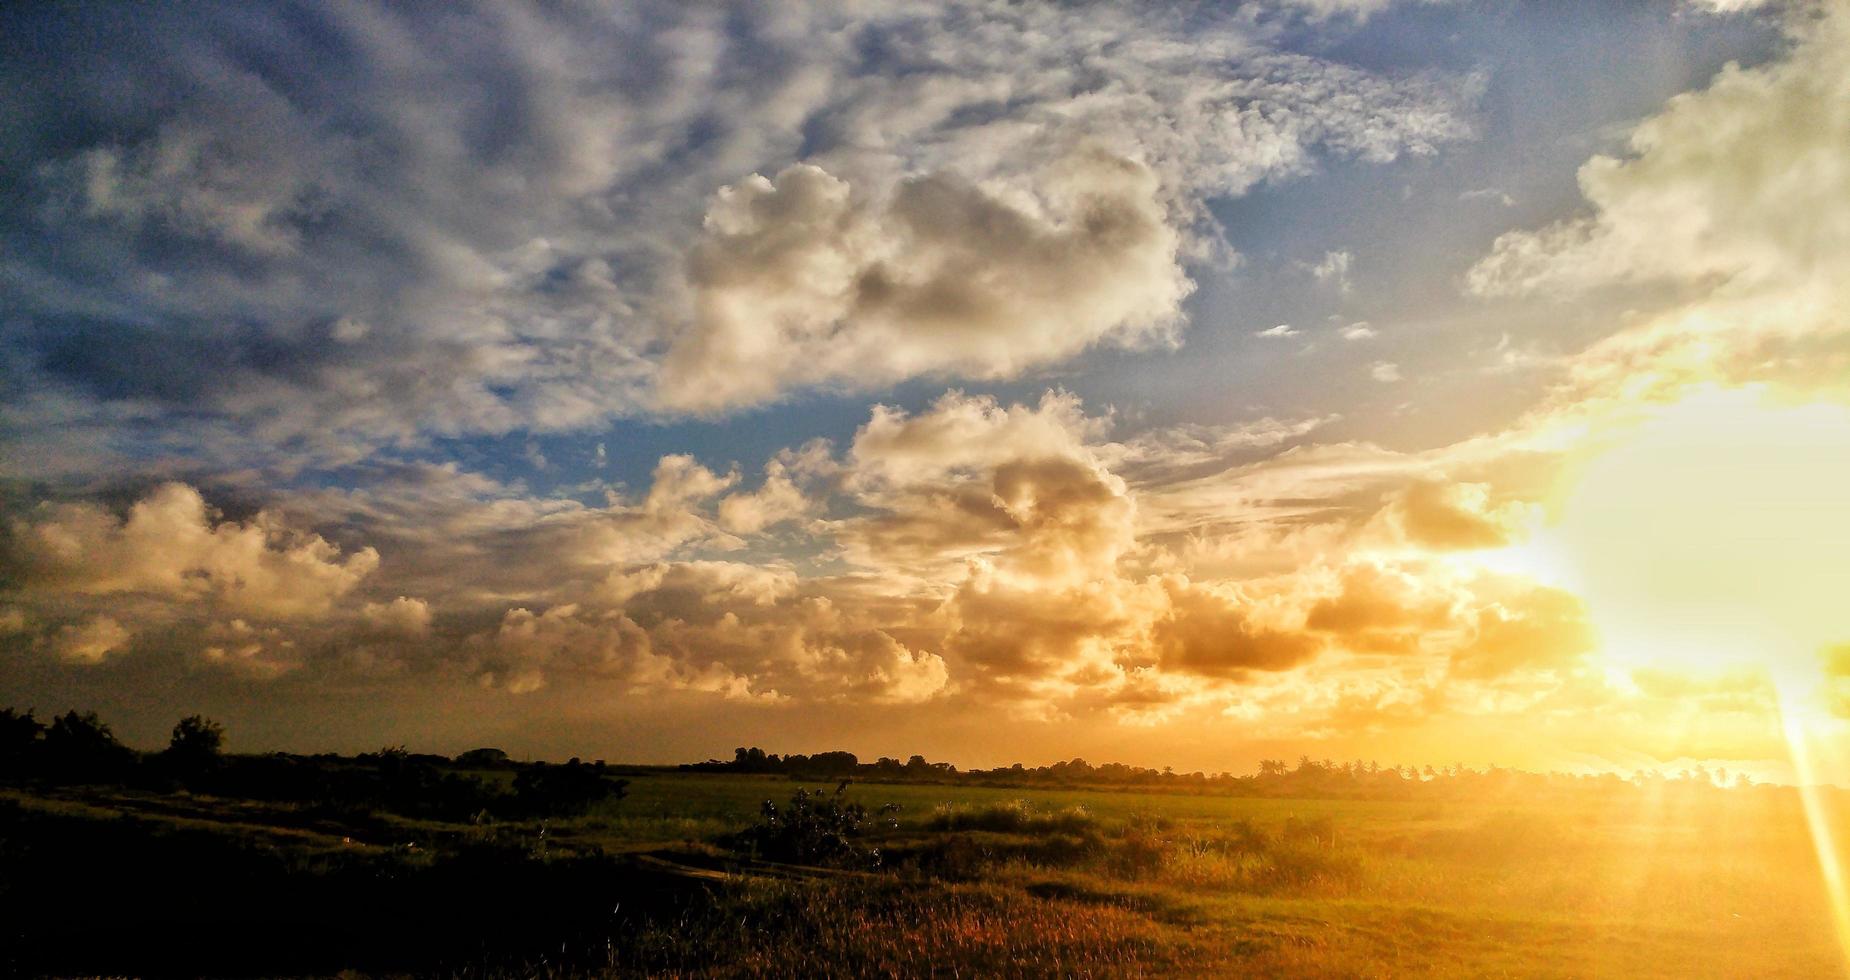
[(567, 790), (813, 828)]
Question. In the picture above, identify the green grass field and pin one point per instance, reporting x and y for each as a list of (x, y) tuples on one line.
[(1727, 885), (976, 881)]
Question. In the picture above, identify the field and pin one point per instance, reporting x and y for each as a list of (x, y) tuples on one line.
[(956, 880)]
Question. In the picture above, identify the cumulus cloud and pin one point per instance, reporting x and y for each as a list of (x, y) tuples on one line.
[(693, 629), (671, 515), (1533, 628), (798, 284), (1441, 515), (701, 582), (776, 500), (402, 617), (1382, 608), (172, 543), (272, 210), (89, 642), (1722, 184), (1205, 632), (1482, 626), (379, 228), (522, 652), (1053, 608), (250, 650)]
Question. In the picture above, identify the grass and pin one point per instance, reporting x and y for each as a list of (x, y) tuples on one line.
[(978, 881)]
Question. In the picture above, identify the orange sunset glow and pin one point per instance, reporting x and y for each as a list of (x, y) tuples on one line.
[(1181, 386)]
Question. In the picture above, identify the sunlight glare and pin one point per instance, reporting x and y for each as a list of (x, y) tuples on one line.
[(1714, 535)]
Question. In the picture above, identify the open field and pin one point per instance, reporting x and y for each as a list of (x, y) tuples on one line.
[(958, 880)]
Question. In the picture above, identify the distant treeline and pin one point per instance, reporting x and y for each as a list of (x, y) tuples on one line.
[(76, 748), (80, 748), (1307, 778)]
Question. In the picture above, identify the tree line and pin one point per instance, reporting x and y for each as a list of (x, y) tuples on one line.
[(1307, 778), (76, 748), (80, 748)]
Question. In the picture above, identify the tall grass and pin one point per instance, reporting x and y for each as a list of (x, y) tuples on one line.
[(876, 928), (1012, 817)]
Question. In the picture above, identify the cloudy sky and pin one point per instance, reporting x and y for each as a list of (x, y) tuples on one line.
[(1169, 383)]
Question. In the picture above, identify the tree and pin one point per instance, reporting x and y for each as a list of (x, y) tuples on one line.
[(197, 735), (19, 736), (567, 790), (482, 758), (82, 748), (194, 746)]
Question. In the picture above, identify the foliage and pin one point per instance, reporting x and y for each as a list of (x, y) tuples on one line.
[(565, 790), (483, 758), (194, 749), (19, 736), (1013, 816), (813, 828), (197, 736), (82, 748), (382, 875)]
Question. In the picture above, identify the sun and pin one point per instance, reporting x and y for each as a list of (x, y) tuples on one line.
[(1714, 534)]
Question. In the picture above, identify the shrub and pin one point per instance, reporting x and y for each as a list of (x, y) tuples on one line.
[(1140, 846), (813, 828), (567, 790), (1320, 831)]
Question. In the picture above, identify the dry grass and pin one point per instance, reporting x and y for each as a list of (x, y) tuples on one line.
[(1083, 883)]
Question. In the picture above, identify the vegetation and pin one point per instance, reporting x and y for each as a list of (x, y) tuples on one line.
[(395, 862)]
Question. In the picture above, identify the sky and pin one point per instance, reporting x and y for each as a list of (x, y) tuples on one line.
[(1172, 383)]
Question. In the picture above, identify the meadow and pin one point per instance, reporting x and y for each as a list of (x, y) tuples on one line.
[(692, 874)]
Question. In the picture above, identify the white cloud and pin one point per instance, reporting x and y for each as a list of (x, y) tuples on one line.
[(1718, 201), (89, 642), (1282, 330), (1333, 270), (797, 283), (1359, 330), (776, 500), (1723, 183), (1385, 372), (171, 543), (288, 231), (403, 616)]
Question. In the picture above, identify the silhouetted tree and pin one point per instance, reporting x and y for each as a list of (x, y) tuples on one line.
[(193, 749), (81, 748), (482, 758), (197, 736), (573, 788), (19, 737)]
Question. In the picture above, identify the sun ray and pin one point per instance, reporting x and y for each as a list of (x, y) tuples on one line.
[(1792, 701)]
